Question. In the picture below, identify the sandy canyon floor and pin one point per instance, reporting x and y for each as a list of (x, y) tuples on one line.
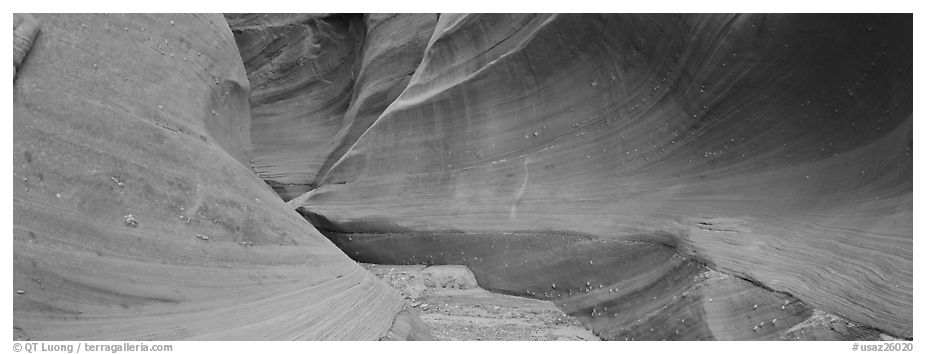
[(452, 305)]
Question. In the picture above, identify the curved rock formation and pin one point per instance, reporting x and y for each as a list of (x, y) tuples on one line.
[(776, 148), (297, 67), (319, 82), (135, 214), (25, 28)]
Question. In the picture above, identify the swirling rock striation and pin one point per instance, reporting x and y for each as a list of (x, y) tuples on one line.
[(135, 213), (776, 148), (318, 82), (298, 67)]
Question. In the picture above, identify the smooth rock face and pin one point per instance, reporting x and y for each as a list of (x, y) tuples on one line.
[(776, 148), (135, 213)]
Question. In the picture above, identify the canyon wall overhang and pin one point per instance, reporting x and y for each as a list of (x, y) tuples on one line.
[(777, 148)]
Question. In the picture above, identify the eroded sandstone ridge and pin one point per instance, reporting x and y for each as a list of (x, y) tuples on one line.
[(775, 148), (135, 212)]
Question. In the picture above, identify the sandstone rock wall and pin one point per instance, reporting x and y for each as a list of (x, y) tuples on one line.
[(135, 214), (318, 81), (777, 148)]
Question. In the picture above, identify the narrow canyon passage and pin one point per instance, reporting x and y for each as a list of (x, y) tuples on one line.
[(653, 176)]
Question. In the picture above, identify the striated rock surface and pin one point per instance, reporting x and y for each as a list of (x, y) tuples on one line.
[(135, 215), (298, 67), (776, 148), (318, 82), (25, 28)]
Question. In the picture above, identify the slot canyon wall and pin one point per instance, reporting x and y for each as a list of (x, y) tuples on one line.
[(656, 176), (318, 82), (136, 215), (743, 172)]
